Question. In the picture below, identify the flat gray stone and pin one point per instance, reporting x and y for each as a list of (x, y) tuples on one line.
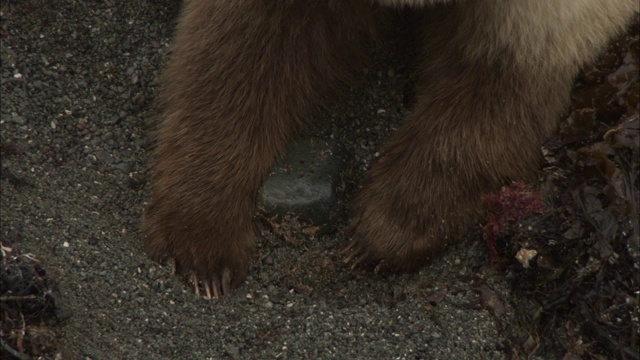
[(305, 183)]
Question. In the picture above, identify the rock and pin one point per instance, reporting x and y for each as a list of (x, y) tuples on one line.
[(306, 183)]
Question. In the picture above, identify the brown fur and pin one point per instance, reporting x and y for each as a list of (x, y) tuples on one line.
[(244, 75)]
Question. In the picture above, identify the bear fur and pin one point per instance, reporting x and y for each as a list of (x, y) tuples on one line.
[(244, 76)]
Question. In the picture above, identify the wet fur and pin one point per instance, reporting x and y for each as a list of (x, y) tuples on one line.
[(244, 76)]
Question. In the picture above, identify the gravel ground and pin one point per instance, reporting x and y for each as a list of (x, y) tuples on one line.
[(77, 82)]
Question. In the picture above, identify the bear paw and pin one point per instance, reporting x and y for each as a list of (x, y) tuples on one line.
[(213, 252)]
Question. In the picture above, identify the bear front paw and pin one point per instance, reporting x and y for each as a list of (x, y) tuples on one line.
[(386, 242), (400, 220), (212, 251)]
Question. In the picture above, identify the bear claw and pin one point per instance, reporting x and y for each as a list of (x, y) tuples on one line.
[(213, 288)]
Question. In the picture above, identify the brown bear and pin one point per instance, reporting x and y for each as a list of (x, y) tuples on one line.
[(244, 76)]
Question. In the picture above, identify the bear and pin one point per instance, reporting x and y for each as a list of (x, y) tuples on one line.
[(244, 77)]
